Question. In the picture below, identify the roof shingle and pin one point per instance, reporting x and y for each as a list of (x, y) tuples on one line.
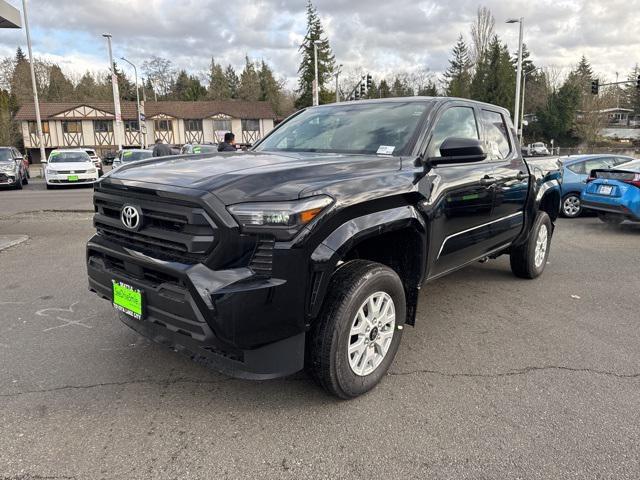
[(234, 108)]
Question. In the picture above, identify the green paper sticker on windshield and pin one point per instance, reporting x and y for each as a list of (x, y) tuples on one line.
[(127, 154), (196, 150)]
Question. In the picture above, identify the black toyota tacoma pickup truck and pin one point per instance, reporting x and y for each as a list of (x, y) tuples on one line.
[(310, 249)]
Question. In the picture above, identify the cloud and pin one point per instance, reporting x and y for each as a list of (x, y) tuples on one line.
[(375, 35)]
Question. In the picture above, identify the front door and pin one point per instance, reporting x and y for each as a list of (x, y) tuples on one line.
[(459, 196), (511, 175)]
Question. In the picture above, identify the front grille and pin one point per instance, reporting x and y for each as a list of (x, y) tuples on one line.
[(67, 172), (170, 230)]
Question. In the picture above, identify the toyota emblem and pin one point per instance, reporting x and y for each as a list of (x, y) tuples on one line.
[(130, 217)]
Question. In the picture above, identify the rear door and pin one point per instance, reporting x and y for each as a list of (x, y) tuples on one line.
[(459, 196), (510, 173)]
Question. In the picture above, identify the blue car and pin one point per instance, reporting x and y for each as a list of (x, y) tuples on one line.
[(575, 172), (614, 193)]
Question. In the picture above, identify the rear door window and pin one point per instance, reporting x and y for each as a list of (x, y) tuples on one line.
[(496, 135)]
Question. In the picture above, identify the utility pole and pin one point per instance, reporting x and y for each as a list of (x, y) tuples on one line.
[(516, 113), (135, 73), (316, 89), (338, 71), (116, 95), (43, 153)]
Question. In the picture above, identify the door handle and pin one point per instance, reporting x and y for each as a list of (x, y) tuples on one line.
[(487, 181), (522, 176)]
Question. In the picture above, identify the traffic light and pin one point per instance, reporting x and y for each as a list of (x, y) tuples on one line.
[(356, 95), (638, 82), (595, 86), (370, 81), (362, 89)]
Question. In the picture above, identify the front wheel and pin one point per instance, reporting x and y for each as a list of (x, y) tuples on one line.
[(529, 259), (571, 206), (355, 339)]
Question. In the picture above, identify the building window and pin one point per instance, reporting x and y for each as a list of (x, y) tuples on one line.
[(33, 127), (131, 126), (163, 126), (103, 126), (193, 125), (222, 125), (251, 125), (73, 126)]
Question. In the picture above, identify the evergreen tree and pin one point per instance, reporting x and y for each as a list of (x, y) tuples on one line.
[(383, 90), (326, 61), (458, 75), (87, 88), (233, 81), (249, 88), (125, 86), (557, 119), (631, 93), (60, 88), (20, 56), (495, 77), (218, 83), (270, 89), (428, 90), (187, 88), (401, 87)]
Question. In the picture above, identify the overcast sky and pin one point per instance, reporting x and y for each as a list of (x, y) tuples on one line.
[(380, 36)]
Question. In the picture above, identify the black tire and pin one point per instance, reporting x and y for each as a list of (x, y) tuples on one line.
[(523, 257), (329, 338), (49, 187), (571, 206), (611, 218), (25, 180), (19, 183)]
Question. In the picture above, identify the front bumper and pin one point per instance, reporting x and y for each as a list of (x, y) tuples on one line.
[(228, 320), (8, 179), (63, 179)]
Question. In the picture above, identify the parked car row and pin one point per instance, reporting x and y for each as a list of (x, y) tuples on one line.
[(575, 173)]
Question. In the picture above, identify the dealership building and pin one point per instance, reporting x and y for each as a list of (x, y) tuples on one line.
[(93, 124)]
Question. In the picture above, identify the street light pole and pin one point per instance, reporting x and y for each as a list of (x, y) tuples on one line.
[(338, 71), (135, 73), (516, 113), (116, 95), (43, 153), (316, 91)]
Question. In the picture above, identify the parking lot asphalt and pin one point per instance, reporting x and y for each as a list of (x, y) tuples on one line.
[(501, 378)]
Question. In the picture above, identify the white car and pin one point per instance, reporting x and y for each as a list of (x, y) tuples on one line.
[(69, 167), (538, 148), (96, 160)]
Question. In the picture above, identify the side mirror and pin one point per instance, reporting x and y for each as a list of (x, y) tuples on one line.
[(459, 150)]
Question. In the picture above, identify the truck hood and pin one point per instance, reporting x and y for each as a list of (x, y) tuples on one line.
[(255, 176)]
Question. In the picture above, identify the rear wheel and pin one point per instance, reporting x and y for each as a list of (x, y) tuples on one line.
[(571, 206), (611, 218), (354, 341), (25, 180), (529, 259)]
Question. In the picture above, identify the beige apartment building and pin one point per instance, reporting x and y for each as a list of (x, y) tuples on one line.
[(93, 125)]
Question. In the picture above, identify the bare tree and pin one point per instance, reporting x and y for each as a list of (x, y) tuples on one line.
[(482, 32), (160, 73)]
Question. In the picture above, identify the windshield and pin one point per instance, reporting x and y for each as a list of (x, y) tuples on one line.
[(134, 155), (383, 128), (5, 155), (205, 148), (68, 157)]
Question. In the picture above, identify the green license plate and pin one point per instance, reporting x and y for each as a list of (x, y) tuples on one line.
[(128, 300), (72, 178)]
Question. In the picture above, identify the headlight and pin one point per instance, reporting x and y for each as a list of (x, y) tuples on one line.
[(283, 219), (92, 170), (51, 171)]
